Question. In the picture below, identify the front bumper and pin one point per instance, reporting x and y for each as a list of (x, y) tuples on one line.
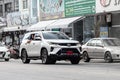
[(4, 55), (116, 56), (64, 57), (66, 53)]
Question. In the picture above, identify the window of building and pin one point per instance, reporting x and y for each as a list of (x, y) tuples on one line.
[(1, 10), (25, 4), (8, 7), (116, 19), (34, 8), (16, 5)]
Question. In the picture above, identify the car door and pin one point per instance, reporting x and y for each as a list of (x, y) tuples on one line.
[(99, 51), (30, 45), (36, 44), (91, 48)]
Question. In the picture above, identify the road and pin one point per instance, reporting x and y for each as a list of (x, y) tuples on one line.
[(63, 70)]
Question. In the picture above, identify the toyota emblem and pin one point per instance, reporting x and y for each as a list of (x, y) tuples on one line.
[(69, 45)]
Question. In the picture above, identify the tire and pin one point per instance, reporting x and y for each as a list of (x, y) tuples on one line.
[(45, 57), (108, 57), (24, 57), (86, 57), (75, 61), (6, 59), (53, 62)]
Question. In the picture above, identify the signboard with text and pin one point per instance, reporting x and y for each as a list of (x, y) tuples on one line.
[(104, 32), (107, 5), (51, 9), (79, 7)]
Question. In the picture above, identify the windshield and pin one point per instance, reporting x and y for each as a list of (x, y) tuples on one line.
[(54, 35), (111, 42)]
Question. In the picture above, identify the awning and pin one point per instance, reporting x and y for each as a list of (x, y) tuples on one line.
[(16, 28), (40, 25), (64, 23), (2, 24)]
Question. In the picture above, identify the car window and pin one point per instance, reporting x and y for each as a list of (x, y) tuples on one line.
[(111, 42), (32, 36), (91, 43), (29, 36), (54, 35), (99, 43), (37, 35), (26, 36)]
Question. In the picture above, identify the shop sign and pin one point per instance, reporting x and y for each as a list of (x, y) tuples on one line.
[(14, 19), (17, 19), (104, 32), (79, 7), (51, 9), (107, 5)]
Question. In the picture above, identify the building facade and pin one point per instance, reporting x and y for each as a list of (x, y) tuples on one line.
[(108, 18), (96, 18), (8, 6), (17, 19), (62, 10)]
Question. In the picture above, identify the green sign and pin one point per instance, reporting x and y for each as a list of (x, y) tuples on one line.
[(79, 7)]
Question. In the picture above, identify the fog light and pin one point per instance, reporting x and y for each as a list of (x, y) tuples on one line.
[(52, 48), (117, 55), (80, 48)]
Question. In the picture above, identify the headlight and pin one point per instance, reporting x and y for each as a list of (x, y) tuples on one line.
[(78, 44), (51, 43)]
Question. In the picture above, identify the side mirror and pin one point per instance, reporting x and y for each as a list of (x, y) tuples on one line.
[(37, 38)]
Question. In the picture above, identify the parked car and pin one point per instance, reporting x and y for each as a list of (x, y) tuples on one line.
[(101, 48), (4, 52), (49, 46)]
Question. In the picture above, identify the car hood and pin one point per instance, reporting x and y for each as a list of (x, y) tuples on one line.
[(3, 49), (62, 41), (114, 48)]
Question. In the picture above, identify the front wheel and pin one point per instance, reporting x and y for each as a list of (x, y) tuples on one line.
[(86, 57), (45, 57), (24, 57), (108, 57), (6, 59), (75, 60)]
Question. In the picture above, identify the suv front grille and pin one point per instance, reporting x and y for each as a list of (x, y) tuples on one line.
[(64, 50), (67, 44)]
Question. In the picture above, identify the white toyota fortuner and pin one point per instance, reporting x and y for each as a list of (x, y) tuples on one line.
[(49, 46)]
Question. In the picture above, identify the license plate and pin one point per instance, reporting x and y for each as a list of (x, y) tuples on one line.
[(69, 52)]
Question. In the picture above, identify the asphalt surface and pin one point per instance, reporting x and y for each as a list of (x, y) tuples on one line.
[(63, 70)]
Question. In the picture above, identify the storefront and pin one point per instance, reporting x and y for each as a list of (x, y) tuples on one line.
[(73, 26), (89, 28), (12, 35), (107, 18), (69, 26)]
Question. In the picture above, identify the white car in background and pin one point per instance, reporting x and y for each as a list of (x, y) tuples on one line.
[(101, 48), (4, 52), (49, 46)]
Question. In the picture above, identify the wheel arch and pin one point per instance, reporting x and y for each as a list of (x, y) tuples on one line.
[(107, 52), (84, 52), (22, 51), (41, 50)]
